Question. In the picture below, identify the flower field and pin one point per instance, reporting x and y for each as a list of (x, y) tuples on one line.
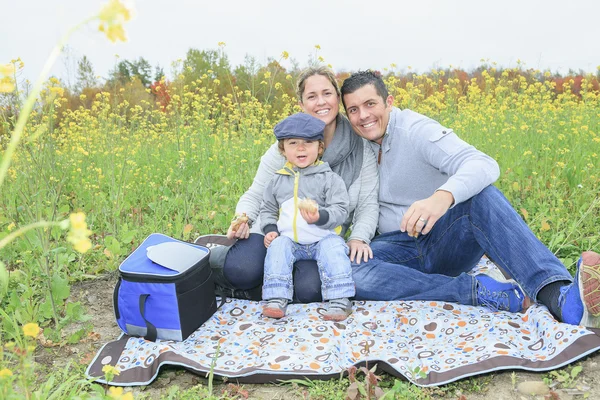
[(134, 170), (117, 167)]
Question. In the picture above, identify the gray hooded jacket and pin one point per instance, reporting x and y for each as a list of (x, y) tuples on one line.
[(279, 209)]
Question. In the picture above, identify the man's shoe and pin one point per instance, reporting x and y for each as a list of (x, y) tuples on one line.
[(499, 296), (212, 241), (580, 301)]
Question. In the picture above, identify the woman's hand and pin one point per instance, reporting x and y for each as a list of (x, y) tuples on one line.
[(242, 232), (269, 237), (360, 250)]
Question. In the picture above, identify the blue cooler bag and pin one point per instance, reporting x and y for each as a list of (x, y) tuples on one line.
[(165, 289)]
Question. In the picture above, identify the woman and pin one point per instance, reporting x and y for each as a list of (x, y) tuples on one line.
[(347, 154)]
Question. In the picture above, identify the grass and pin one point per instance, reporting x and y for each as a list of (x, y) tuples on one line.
[(134, 170)]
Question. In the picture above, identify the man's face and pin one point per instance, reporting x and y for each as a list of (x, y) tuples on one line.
[(368, 112)]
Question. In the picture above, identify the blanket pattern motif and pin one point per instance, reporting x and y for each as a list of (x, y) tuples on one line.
[(428, 342)]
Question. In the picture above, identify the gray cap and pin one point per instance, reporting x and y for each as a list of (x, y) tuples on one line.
[(300, 126)]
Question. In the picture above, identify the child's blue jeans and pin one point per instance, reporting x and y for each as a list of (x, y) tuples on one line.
[(331, 254)]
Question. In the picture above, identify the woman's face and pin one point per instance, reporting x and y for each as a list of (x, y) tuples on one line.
[(320, 99)]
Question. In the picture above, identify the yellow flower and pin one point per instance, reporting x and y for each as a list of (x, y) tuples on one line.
[(31, 329), (6, 85), (112, 16), (7, 69), (5, 372), (221, 44), (11, 226), (79, 233), (285, 55), (117, 393), (77, 221), (317, 47), (114, 32), (109, 369)]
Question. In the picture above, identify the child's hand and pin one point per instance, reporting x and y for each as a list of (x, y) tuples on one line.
[(310, 217), (309, 209), (269, 237)]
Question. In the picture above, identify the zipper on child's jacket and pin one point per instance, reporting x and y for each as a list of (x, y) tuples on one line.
[(296, 181)]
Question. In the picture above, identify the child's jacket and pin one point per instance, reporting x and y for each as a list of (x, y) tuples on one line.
[(279, 209)]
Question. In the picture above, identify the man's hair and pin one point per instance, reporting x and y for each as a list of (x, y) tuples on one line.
[(312, 71), (363, 78)]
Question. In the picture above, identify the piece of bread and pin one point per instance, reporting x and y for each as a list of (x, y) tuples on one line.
[(238, 220), (308, 205)]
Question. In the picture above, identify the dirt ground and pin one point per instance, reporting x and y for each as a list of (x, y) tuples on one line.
[(96, 297)]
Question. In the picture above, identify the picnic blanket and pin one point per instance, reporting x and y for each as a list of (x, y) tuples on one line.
[(430, 343)]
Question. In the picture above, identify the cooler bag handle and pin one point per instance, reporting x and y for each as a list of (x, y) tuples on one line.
[(150, 329)]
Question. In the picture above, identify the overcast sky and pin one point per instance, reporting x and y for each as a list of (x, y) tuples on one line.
[(423, 34)]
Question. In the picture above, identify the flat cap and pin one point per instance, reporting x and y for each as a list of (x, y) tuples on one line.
[(300, 126)]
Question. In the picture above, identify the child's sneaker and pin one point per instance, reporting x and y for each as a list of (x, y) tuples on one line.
[(275, 308), (338, 309), (499, 296), (580, 301)]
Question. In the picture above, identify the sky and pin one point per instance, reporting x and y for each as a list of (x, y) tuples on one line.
[(352, 34)]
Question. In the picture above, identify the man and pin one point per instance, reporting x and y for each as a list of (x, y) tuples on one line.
[(439, 213)]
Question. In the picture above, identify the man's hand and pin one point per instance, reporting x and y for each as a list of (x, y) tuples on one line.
[(310, 217), (360, 250), (423, 214), (269, 237), (242, 232)]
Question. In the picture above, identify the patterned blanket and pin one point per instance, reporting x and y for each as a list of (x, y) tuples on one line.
[(429, 343)]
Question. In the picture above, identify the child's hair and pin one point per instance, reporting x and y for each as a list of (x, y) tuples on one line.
[(321, 148)]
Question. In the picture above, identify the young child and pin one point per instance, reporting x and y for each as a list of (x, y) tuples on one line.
[(293, 232)]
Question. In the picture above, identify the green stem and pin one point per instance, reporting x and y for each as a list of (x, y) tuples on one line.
[(40, 224), (30, 102)]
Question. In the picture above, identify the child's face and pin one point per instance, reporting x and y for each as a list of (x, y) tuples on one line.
[(301, 152)]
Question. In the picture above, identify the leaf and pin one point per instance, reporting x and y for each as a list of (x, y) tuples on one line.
[(3, 280), (76, 336), (46, 309), (352, 391), (108, 254), (525, 214), (127, 237), (58, 250), (113, 245), (361, 389), (545, 226), (60, 288), (76, 312), (379, 392), (187, 229), (576, 371)]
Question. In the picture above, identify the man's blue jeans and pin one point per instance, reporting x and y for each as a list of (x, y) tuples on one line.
[(331, 254), (435, 266)]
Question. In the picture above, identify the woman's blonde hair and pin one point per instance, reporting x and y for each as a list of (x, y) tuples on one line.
[(311, 71)]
